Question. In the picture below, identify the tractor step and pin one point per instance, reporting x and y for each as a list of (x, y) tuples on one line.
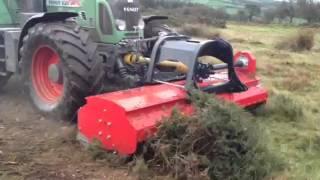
[(2, 60), (9, 39), (2, 52), (3, 74)]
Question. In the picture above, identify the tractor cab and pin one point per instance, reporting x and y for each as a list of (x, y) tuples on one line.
[(110, 20), (121, 19), (126, 15)]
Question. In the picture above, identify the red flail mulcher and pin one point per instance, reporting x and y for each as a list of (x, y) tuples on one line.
[(121, 120)]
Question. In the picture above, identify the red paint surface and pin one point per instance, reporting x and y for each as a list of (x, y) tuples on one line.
[(49, 91), (120, 120)]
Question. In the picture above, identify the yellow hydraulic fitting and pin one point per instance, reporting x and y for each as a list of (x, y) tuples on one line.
[(132, 58), (179, 66)]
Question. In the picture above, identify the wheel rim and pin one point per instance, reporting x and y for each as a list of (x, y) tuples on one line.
[(48, 91)]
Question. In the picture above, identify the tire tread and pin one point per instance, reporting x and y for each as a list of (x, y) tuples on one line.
[(74, 53)]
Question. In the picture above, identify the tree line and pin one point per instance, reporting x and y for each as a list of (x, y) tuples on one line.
[(285, 11)]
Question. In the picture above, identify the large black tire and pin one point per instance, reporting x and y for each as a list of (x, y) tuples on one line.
[(70, 48)]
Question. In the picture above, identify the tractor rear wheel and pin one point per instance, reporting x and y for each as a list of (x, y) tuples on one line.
[(58, 67)]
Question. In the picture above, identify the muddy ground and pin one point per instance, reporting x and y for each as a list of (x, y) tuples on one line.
[(33, 147)]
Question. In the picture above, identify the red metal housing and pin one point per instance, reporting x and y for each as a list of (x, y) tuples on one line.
[(121, 120)]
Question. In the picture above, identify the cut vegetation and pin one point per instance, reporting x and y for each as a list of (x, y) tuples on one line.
[(221, 141)]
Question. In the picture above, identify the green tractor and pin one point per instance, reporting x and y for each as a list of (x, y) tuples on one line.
[(66, 50)]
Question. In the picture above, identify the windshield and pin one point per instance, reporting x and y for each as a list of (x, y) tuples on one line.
[(126, 11)]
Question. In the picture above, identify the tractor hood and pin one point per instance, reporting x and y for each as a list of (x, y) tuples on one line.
[(126, 14)]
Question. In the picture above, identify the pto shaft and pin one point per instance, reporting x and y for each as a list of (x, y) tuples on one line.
[(138, 59), (177, 65)]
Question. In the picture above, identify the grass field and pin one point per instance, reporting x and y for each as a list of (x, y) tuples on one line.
[(293, 79)]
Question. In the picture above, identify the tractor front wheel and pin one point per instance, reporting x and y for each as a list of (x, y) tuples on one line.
[(57, 68)]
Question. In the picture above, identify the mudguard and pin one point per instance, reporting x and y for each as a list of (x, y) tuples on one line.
[(43, 17)]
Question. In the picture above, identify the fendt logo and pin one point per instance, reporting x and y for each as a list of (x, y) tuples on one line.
[(64, 3), (131, 9)]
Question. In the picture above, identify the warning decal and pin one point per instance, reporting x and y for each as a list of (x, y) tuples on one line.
[(64, 3)]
